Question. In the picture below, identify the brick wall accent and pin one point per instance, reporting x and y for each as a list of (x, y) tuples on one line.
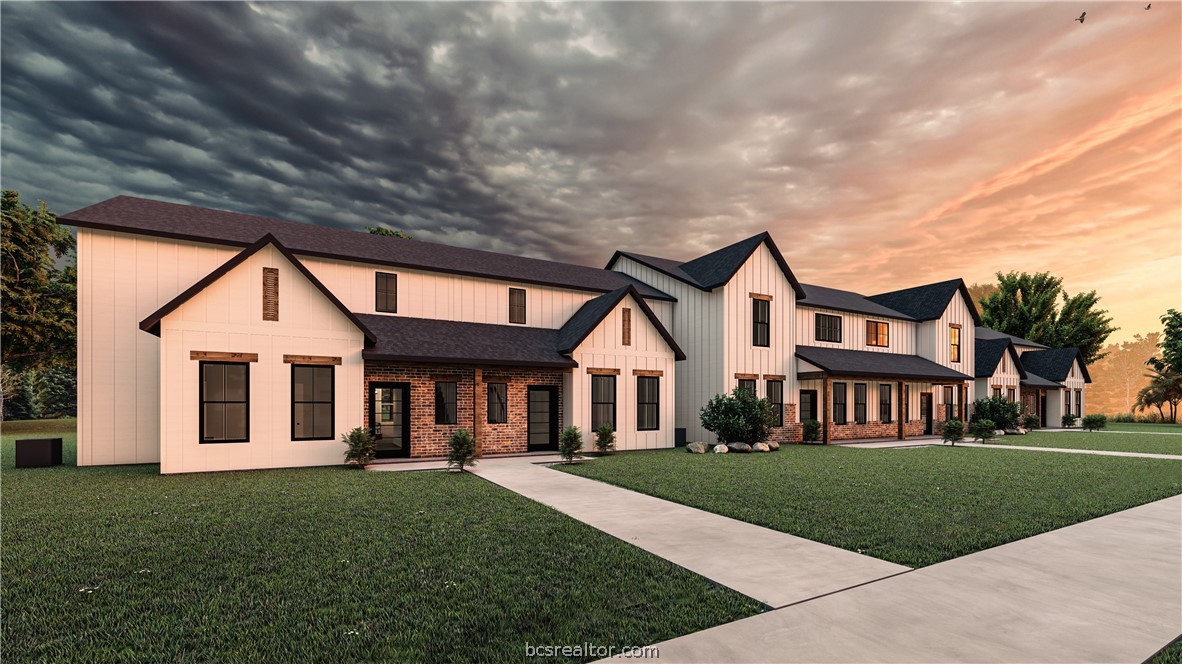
[(428, 439), (792, 431)]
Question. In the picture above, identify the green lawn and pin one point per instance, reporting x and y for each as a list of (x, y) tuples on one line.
[(121, 563), (1121, 441), (911, 506), (1130, 426), (1171, 654)]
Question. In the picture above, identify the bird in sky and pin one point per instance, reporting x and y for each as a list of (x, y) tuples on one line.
[(1082, 17)]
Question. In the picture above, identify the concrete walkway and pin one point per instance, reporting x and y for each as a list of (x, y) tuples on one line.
[(772, 567), (1105, 590), (1143, 455)]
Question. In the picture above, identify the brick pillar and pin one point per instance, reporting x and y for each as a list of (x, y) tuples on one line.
[(478, 397)]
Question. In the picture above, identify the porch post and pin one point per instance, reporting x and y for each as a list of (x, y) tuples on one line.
[(825, 410), (902, 410)]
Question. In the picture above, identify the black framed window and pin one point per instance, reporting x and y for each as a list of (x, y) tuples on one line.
[(747, 384), (997, 392), (954, 343), (498, 403), (603, 400), (884, 403), (775, 396), (860, 403), (1079, 403), (828, 328), (1067, 402), (225, 402), (948, 403), (808, 405), (386, 292), (517, 305), (839, 416), (312, 400), (445, 403), (761, 322), (1010, 394), (648, 403), (878, 334)]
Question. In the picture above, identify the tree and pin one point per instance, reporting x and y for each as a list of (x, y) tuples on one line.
[(1027, 306), (570, 444), (952, 431), (1170, 344), (40, 300), (978, 292), (461, 450), (605, 438), (739, 417), (1117, 377), (388, 232)]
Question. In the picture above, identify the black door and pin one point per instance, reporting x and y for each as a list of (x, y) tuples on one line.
[(389, 418), (1042, 409), (542, 427), (925, 411)]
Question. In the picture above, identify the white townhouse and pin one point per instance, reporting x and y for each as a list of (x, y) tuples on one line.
[(213, 340)]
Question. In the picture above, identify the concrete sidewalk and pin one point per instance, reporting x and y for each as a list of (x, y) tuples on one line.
[(1030, 448), (1105, 590), (773, 567)]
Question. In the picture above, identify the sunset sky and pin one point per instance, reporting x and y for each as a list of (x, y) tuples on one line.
[(884, 144)]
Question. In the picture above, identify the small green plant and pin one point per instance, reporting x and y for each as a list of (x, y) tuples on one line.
[(605, 438), (739, 417), (812, 431), (361, 447), (1095, 422), (1001, 411), (1030, 421), (461, 450), (982, 430), (570, 444), (1069, 420), (952, 431)]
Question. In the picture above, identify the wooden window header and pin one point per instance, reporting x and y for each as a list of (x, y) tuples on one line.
[(647, 372), (747, 376), (773, 377), (311, 359), (219, 356), (603, 372), (760, 296), (271, 293)]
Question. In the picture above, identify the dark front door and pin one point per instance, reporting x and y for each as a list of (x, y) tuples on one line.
[(542, 427), (925, 411), (389, 418), (1042, 409)]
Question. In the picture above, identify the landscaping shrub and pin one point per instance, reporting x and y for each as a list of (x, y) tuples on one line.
[(605, 438), (1095, 422), (812, 431), (1069, 420), (1002, 412), (570, 444), (361, 447), (461, 450), (953, 431), (1030, 421), (982, 430), (739, 417)]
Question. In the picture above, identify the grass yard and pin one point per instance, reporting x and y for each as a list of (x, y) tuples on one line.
[(1131, 426), (914, 506), (1152, 443), (120, 563)]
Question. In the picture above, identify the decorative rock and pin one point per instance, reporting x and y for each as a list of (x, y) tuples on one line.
[(720, 449), (760, 447), (738, 447), (696, 448), (772, 445), (1022, 431), (999, 433)]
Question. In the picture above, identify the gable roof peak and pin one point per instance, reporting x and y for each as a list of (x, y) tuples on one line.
[(929, 301)]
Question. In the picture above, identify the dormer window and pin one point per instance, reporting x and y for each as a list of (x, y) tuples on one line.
[(828, 328), (386, 293), (517, 306)]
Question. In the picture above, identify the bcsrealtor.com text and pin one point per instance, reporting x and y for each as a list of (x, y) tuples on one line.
[(593, 650)]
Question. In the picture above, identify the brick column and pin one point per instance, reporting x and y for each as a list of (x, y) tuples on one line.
[(478, 406)]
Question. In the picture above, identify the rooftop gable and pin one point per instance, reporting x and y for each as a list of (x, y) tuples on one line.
[(1054, 363), (592, 313), (928, 302), (988, 353)]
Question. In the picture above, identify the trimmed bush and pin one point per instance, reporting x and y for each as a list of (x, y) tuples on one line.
[(605, 438), (361, 447), (1069, 420), (1030, 421), (570, 444), (1095, 422), (952, 431), (1002, 412), (982, 430), (461, 450), (739, 417), (812, 431)]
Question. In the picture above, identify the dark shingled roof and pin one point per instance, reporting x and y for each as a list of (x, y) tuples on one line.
[(927, 302), (451, 342), (1034, 380), (717, 267), (151, 324), (868, 363), (126, 214), (841, 300), (592, 313), (988, 353), (1054, 363), (990, 333)]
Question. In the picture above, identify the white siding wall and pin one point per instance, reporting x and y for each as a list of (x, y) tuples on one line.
[(1074, 382), (227, 316), (760, 274), (123, 278), (932, 339), (1005, 375), (603, 349), (901, 334), (697, 327)]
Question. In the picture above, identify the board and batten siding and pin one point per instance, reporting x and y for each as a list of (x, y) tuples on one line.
[(761, 274), (227, 317), (123, 278), (604, 349), (1005, 376), (932, 340), (698, 328), (900, 334), (1075, 381)]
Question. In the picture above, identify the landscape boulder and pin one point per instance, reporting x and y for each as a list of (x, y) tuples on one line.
[(720, 449), (697, 448), (760, 447), (772, 445), (738, 447), (999, 433)]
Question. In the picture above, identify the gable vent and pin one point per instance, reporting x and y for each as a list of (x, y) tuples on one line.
[(627, 319), (271, 293)]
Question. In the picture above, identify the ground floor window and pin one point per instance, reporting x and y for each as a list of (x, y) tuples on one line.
[(603, 400), (748, 385), (997, 392), (948, 403), (775, 395), (225, 402), (1079, 402), (648, 403), (1010, 395), (312, 397), (1067, 402), (498, 403), (860, 403), (884, 403), (445, 403), (808, 405), (839, 416)]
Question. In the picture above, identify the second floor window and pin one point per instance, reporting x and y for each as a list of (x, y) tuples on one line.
[(517, 306), (761, 322), (877, 334), (954, 343), (829, 328), (386, 293)]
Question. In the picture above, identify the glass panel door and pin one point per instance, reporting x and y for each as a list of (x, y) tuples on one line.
[(543, 418), (389, 416)]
